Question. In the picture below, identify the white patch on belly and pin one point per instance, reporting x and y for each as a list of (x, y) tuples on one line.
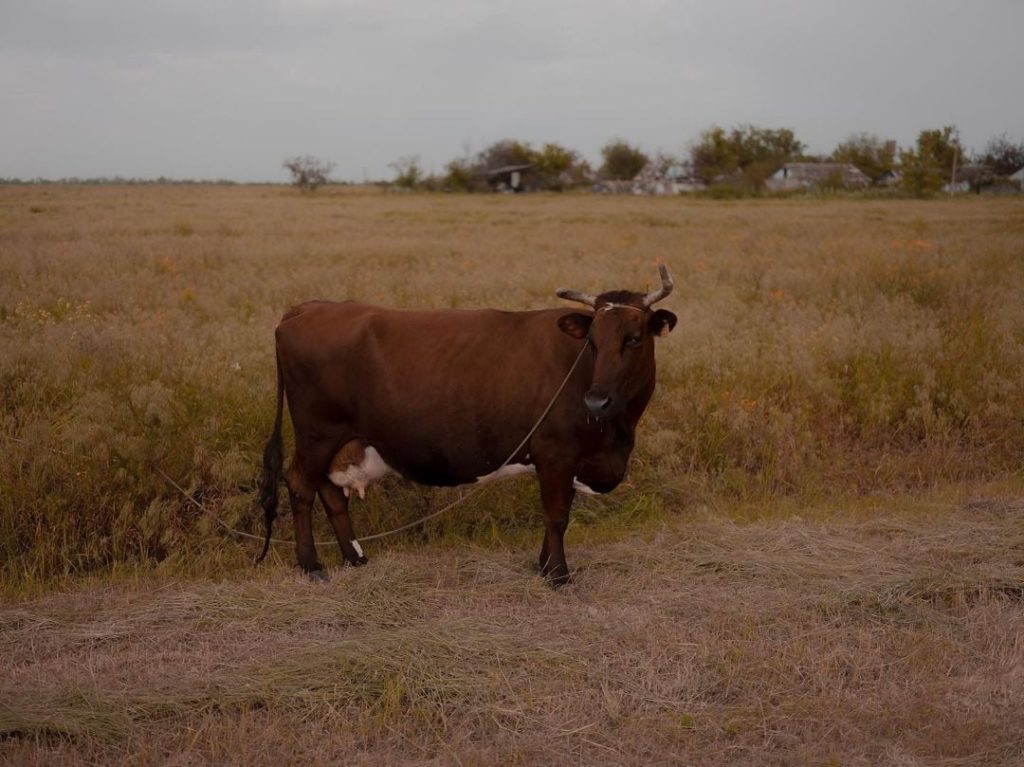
[(512, 470), (362, 475), (585, 489)]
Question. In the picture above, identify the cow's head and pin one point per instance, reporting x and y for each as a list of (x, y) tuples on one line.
[(621, 331)]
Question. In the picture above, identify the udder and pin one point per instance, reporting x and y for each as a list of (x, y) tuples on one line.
[(355, 467)]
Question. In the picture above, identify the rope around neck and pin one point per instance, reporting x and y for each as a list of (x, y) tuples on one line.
[(419, 521)]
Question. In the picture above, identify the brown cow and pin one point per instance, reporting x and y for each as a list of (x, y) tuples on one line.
[(443, 397)]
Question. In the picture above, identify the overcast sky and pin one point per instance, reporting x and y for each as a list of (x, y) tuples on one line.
[(229, 88)]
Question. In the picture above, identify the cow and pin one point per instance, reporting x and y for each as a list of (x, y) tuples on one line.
[(443, 397)]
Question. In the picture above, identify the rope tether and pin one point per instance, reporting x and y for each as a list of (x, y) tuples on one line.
[(417, 522)]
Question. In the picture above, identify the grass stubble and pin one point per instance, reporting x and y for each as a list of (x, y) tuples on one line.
[(889, 639), (818, 557)]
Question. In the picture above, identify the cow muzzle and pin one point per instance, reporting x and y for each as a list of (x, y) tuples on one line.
[(599, 404)]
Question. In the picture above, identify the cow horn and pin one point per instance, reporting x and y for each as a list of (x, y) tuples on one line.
[(664, 290), (575, 295)]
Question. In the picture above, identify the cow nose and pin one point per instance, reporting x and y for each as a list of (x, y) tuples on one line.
[(597, 402)]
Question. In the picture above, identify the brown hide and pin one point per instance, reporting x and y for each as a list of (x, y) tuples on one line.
[(445, 396)]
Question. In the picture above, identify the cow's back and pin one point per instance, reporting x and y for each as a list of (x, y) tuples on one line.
[(443, 395)]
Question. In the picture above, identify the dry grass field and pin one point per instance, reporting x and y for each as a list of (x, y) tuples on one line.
[(817, 557)]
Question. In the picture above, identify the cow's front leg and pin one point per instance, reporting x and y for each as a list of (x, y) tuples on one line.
[(556, 494), (336, 505)]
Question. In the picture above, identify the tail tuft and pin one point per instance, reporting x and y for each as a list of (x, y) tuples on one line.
[(273, 459)]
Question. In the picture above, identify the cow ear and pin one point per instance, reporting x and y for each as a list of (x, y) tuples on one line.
[(576, 325), (662, 322)]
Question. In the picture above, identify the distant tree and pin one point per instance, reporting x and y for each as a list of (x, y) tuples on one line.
[(458, 177), (766, 145), (870, 154), (553, 167), (714, 155), (308, 172), (559, 168), (929, 164), (1003, 155), (621, 160), (746, 153), (502, 154), (408, 173), (667, 164), (554, 159)]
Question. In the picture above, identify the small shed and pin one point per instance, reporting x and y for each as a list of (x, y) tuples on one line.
[(807, 175), (510, 178), (1018, 178)]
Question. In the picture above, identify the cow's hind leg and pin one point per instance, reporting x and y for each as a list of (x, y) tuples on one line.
[(336, 505), (312, 456), (302, 494)]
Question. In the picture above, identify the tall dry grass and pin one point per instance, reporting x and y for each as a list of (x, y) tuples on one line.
[(842, 347)]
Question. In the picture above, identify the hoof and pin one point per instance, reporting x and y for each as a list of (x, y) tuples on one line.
[(318, 576), (557, 581), (356, 558)]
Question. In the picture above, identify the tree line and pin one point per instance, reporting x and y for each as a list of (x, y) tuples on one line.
[(738, 160)]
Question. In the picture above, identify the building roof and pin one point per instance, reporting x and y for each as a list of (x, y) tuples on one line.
[(818, 172), (974, 173), (506, 169)]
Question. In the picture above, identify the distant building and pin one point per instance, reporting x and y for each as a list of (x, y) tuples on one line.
[(808, 175), (510, 178), (1018, 178), (612, 186), (890, 178), (663, 176), (971, 178), (657, 178)]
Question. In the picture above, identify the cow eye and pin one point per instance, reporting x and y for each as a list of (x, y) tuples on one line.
[(632, 342)]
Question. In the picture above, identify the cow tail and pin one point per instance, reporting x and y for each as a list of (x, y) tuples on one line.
[(273, 458)]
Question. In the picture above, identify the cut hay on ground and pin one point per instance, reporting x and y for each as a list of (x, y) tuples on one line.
[(892, 640)]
